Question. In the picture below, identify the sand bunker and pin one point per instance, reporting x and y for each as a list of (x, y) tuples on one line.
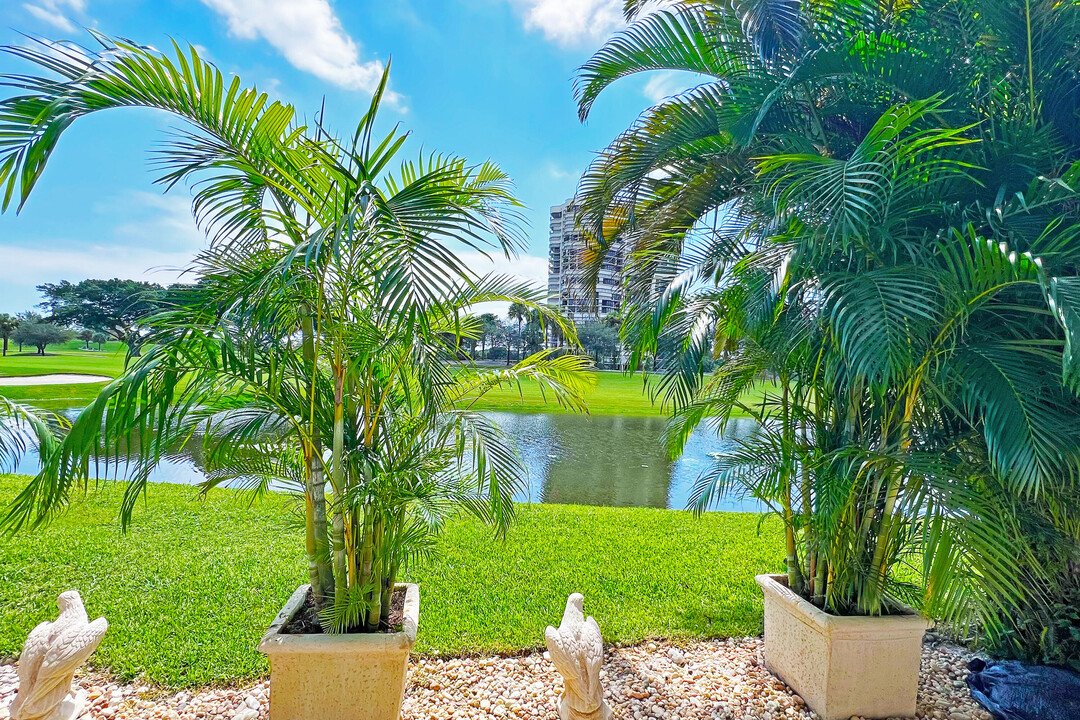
[(54, 379)]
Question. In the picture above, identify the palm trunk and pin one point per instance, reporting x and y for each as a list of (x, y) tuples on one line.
[(367, 547), (377, 575), (819, 584), (322, 536), (794, 571), (341, 573), (878, 566), (322, 578), (394, 566)]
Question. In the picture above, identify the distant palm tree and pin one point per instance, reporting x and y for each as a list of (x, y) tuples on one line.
[(8, 326), (520, 314)]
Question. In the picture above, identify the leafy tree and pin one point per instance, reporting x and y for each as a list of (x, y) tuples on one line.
[(99, 339), (489, 326), (39, 334), (8, 325), (533, 337), (115, 307), (27, 316), (601, 341), (502, 338), (86, 336), (877, 207)]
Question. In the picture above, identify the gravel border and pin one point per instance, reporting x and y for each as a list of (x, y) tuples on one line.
[(713, 680)]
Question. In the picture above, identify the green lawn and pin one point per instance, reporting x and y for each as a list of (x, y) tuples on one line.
[(108, 362), (614, 393), (91, 362), (190, 589)]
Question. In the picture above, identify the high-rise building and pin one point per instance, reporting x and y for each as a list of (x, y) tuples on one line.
[(565, 246)]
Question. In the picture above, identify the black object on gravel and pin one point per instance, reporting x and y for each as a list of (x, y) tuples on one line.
[(1013, 690)]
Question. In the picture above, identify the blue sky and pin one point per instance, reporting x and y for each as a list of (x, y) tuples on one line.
[(486, 79)]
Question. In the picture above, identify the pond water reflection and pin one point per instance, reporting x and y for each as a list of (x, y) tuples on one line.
[(613, 460), (575, 459)]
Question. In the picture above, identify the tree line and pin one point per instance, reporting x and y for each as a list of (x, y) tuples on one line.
[(94, 311), (521, 333)]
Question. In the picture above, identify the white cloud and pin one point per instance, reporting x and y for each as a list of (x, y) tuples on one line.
[(663, 85), (40, 264), (54, 12), (154, 240), (523, 267), (557, 173), (526, 267), (308, 34), (147, 219), (572, 22)]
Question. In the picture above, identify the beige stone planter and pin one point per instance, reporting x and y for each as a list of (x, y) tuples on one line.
[(842, 666), (338, 677)]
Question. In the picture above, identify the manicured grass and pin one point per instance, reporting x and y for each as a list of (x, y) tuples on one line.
[(106, 347), (615, 393), (109, 362), (88, 362), (190, 589)]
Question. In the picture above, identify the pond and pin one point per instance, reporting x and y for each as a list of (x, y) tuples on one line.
[(576, 459)]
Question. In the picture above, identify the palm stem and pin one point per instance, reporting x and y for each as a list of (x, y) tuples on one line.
[(794, 571), (315, 490), (337, 479)]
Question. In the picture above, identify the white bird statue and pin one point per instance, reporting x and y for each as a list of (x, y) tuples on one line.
[(577, 649), (50, 657)]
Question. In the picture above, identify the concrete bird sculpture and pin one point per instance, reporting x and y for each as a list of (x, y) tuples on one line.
[(577, 649), (50, 657)]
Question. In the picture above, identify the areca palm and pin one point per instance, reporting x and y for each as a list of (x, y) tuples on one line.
[(314, 349), (849, 211)]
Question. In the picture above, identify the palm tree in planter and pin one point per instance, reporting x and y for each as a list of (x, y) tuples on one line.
[(312, 354), (851, 215)]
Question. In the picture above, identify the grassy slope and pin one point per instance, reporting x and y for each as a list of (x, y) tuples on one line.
[(614, 393), (189, 591)]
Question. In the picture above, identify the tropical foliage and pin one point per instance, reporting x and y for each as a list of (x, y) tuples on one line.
[(314, 350), (876, 206)]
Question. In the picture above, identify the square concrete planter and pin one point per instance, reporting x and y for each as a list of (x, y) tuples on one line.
[(842, 665), (353, 676)]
